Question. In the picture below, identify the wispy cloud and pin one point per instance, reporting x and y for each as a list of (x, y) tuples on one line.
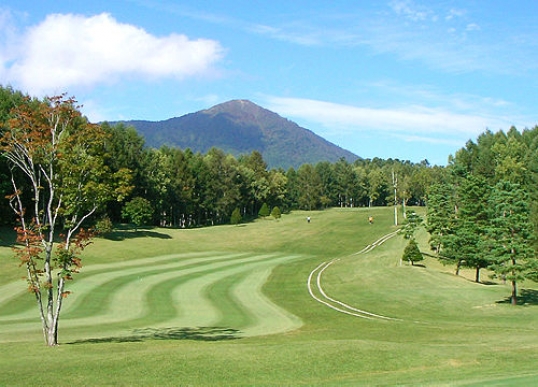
[(413, 123), (444, 37), (411, 11), (68, 50), (301, 36)]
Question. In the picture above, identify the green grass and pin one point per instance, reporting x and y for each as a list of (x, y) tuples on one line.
[(230, 305)]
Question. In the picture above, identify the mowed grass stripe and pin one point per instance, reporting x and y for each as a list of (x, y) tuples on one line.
[(97, 296), (200, 307), (123, 293), (116, 295), (88, 291), (267, 317), (181, 299), (16, 288)]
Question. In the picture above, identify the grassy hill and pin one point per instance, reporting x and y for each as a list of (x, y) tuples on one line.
[(231, 305)]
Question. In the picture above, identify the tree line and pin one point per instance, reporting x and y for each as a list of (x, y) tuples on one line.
[(484, 214), (189, 189)]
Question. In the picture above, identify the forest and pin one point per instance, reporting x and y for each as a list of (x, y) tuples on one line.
[(481, 208)]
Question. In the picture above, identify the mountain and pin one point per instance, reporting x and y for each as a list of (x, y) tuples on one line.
[(239, 127)]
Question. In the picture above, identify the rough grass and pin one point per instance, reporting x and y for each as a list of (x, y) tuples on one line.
[(229, 305)]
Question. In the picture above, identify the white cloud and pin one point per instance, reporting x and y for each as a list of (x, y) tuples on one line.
[(68, 50)]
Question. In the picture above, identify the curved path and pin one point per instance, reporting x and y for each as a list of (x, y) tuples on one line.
[(180, 291), (317, 292)]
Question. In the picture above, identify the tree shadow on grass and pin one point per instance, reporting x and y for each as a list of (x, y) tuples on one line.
[(525, 297), (145, 334), (123, 234)]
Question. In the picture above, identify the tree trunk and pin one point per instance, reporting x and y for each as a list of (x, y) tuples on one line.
[(514, 283), (458, 266), (50, 333), (477, 275), (513, 298), (52, 336)]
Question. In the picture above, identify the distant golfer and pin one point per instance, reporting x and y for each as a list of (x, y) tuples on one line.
[(308, 219), (370, 219)]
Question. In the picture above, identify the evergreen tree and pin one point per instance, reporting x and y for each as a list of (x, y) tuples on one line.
[(412, 252), (236, 217), (413, 222), (275, 213), (469, 229), (509, 245), (440, 214), (264, 210)]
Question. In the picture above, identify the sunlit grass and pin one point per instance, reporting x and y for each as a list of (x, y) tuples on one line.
[(447, 330)]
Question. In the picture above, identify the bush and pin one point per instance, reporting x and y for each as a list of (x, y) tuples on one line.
[(104, 226)]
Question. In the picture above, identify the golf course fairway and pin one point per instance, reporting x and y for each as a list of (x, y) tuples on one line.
[(272, 302)]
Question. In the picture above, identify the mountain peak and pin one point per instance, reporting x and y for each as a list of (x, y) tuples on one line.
[(238, 127), (238, 108)]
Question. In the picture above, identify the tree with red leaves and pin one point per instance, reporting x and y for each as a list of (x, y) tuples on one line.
[(62, 159)]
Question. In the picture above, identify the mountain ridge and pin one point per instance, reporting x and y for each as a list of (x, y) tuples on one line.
[(240, 127)]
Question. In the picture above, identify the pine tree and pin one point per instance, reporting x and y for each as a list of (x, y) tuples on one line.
[(236, 216), (440, 214), (509, 234), (412, 252), (264, 210), (275, 212)]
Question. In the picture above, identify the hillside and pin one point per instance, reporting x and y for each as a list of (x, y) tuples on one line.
[(239, 127)]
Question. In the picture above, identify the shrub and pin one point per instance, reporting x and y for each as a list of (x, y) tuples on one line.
[(104, 226)]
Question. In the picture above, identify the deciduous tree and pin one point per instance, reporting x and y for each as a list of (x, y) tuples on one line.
[(61, 157), (138, 211)]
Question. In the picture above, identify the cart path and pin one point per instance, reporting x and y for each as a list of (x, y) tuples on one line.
[(317, 292)]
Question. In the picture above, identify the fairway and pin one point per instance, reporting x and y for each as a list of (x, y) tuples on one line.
[(171, 291), (271, 303)]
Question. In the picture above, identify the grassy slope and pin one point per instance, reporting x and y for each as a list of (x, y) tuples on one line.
[(451, 331)]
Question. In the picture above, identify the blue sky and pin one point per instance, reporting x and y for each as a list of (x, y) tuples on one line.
[(404, 79)]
